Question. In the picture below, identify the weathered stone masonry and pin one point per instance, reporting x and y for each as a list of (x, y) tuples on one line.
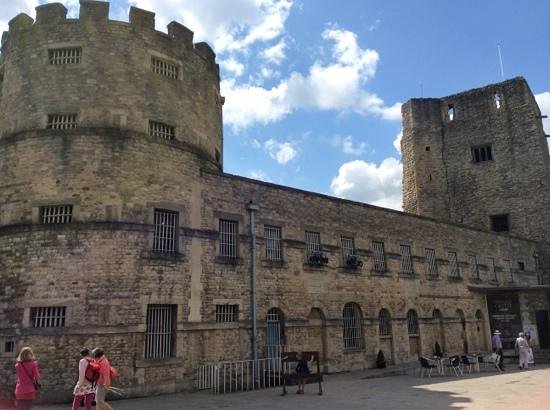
[(116, 173)]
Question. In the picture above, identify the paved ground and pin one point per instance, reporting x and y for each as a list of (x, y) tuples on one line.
[(527, 390)]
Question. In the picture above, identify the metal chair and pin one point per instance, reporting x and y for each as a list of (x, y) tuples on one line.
[(454, 363), (470, 362), (426, 366)]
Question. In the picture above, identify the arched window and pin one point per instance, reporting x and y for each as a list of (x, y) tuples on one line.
[(462, 318), (384, 323), (450, 112), (353, 333), (412, 322), (275, 327), (479, 315)]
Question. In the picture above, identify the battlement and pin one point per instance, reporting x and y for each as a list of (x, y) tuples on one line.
[(98, 12)]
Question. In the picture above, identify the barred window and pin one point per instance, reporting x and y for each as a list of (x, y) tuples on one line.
[(412, 323), (227, 313), (62, 121), (228, 238), (65, 55), (492, 270), (384, 323), (353, 333), (56, 214), (508, 271), (166, 231), (160, 335), (313, 243), (474, 270), (272, 236), (161, 130), (431, 262), (348, 248), (164, 68), (50, 316), (454, 270), (482, 154), (406, 260), (379, 256)]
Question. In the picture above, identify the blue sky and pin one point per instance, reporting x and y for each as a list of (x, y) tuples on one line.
[(313, 88)]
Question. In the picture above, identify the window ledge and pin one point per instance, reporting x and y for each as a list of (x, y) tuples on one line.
[(144, 363), (266, 263), (352, 350), (176, 256), (225, 260), (385, 337), (381, 274), (475, 280), (455, 278), (433, 277), (410, 276)]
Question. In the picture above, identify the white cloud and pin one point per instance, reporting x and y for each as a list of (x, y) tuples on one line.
[(371, 183), (397, 141), (543, 100), (282, 152), (10, 9), (275, 54), (374, 26), (349, 146), (259, 175), (233, 66)]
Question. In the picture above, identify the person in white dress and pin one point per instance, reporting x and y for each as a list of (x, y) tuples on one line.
[(84, 389)]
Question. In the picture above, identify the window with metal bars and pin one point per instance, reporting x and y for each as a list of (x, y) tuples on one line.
[(62, 121), (348, 248), (353, 332), (228, 238), (406, 260), (412, 323), (508, 271), (482, 154), (56, 214), (474, 270), (379, 257), (313, 243), (492, 270), (164, 68), (161, 130), (431, 262), (165, 238), (272, 235), (454, 270), (49, 316), (227, 313), (160, 334), (59, 56), (384, 323)]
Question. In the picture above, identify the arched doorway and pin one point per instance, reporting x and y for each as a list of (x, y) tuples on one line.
[(274, 332), (439, 330), (385, 334), (463, 334), (481, 331), (414, 333), (317, 335)]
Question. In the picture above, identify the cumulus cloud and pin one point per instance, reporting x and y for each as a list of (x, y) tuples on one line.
[(337, 84), (10, 9), (348, 146), (543, 100), (259, 175), (371, 183), (233, 66), (282, 152), (397, 141), (275, 54)]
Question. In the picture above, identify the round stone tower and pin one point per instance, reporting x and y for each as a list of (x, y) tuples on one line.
[(105, 127)]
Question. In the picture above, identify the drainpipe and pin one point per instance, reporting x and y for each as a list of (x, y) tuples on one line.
[(251, 207)]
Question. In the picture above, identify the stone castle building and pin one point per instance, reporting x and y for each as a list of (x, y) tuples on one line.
[(119, 228)]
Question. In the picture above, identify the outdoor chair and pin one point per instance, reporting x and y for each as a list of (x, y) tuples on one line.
[(426, 366), (454, 363), (470, 362), (491, 359)]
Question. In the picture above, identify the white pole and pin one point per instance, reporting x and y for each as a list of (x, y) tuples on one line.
[(500, 60)]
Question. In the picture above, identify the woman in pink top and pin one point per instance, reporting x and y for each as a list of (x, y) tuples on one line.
[(26, 368)]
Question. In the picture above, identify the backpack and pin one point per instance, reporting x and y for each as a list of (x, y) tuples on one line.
[(92, 371)]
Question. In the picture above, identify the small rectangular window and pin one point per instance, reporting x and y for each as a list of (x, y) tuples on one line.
[(60, 56), (165, 238), (492, 270), (454, 270), (521, 266), (161, 130), (313, 243), (348, 248), (50, 316), (474, 270), (56, 214), (272, 235), (164, 68), (227, 313), (500, 223), (160, 333), (9, 346), (62, 121), (431, 262), (228, 238), (406, 260), (379, 256), (482, 154)]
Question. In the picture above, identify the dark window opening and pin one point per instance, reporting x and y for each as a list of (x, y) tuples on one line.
[(500, 223), (9, 346), (427, 148), (482, 154), (521, 266)]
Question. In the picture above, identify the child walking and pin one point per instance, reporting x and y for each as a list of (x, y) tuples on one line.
[(302, 370)]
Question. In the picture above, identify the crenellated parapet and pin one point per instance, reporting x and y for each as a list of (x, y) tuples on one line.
[(106, 73)]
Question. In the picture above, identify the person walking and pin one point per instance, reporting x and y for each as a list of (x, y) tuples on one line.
[(104, 380), (497, 348), (302, 370), (28, 375), (84, 389), (522, 346)]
